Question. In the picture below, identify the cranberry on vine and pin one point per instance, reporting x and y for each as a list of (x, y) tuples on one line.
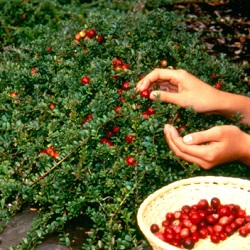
[(129, 138), (52, 106), (85, 80), (145, 93), (125, 66), (131, 160), (116, 129), (150, 110), (126, 85), (106, 141), (91, 33)]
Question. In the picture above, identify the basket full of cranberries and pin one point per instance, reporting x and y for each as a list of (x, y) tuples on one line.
[(202, 213)]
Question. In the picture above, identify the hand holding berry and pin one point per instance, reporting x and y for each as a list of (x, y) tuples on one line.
[(182, 88)]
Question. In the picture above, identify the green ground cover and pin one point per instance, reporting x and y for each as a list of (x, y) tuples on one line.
[(52, 122)]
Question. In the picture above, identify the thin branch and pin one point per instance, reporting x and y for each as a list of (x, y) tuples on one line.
[(51, 169), (80, 144)]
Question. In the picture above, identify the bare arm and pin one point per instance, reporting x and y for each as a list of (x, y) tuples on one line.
[(182, 88), (232, 103), (207, 148)]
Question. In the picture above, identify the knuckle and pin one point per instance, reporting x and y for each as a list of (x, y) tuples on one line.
[(156, 70), (182, 72), (218, 131), (206, 166), (234, 128), (210, 157)]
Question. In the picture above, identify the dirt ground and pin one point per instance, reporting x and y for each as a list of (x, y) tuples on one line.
[(19, 224)]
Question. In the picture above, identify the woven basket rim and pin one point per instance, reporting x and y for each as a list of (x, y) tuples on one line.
[(218, 181)]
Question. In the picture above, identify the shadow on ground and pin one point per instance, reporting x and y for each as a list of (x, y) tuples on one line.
[(18, 226)]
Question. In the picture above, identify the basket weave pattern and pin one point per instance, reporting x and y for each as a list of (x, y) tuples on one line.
[(188, 192)]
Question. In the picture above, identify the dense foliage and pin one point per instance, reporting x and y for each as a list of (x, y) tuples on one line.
[(65, 113)]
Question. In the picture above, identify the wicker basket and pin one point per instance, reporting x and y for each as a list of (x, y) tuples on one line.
[(188, 192)]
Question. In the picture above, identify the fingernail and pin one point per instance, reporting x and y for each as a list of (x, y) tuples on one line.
[(188, 138), (167, 127), (153, 95)]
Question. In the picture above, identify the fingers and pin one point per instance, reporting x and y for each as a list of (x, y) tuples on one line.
[(201, 137), (165, 96), (190, 153), (158, 76)]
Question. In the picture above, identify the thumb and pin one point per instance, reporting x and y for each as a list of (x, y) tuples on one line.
[(164, 96), (199, 137)]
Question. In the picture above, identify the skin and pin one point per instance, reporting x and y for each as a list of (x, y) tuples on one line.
[(210, 147)]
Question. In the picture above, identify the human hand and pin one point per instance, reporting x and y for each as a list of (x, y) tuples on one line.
[(181, 88), (211, 147)]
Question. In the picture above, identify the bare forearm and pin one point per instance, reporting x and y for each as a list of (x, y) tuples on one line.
[(246, 150), (231, 104)]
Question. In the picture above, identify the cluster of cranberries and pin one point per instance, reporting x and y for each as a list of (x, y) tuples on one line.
[(14, 94), (88, 34), (109, 134), (118, 64), (150, 111), (51, 151), (130, 160), (185, 227), (34, 71), (218, 83)]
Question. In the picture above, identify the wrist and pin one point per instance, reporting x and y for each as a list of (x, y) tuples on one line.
[(231, 104), (246, 153)]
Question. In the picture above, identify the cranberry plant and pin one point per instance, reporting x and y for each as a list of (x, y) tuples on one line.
[(76, 138)]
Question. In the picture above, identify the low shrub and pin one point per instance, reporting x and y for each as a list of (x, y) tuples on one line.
[(74, 135)]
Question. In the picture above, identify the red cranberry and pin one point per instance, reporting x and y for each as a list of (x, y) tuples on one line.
[(240, 213), (169, 237), (129, 138), (185, 209), (150, 111), (222, 236), (240, 222), (218, 228), (228, 230), (109, 134), (212, 219), (116, 129), (145, 115), (203, 204), (215, 202), (203, 233), (195, 218), (188, 243), (184, 233), (224, 220), (91, 33), (195, 237), (215, 238), (126, 85), (165, 223), (131, 160), (170, 216), (145, 93), (224, 210), (154, 228)]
